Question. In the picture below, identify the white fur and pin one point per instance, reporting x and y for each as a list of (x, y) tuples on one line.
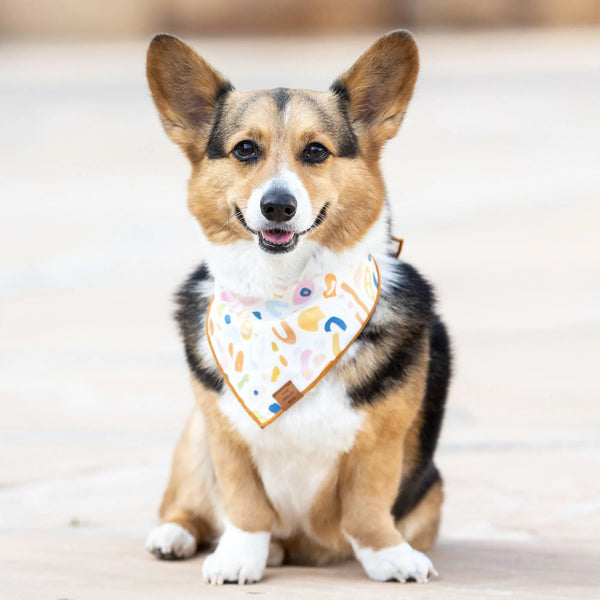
[(290, 182), (170, 539), (401, 562), (286, 114), (246, 270), (297, 451), (240, 556)]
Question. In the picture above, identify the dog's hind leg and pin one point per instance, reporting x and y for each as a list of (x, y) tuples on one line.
[(420, 526), (189, 512)]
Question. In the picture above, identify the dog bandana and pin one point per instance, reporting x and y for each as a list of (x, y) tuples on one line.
[(273, 351)]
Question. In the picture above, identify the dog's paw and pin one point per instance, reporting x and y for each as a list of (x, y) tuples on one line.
[(276, 555), (170, 541), (240, 557), (400, 563), (219, 568)]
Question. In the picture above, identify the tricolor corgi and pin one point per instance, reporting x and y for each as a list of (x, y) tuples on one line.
[(318, 363)]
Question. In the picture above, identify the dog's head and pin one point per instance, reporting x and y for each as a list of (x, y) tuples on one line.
[(279, 167)]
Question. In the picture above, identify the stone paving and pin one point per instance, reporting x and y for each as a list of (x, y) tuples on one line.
[(494, 179)]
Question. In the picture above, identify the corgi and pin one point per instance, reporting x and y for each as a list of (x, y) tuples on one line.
[(318, 363)]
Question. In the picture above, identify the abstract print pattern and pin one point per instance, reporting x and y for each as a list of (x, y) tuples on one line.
[(272, 351)]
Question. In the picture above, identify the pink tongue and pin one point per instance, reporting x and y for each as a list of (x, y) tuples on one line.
[(277, 237)]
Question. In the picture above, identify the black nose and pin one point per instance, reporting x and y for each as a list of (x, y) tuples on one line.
[(278, 206)]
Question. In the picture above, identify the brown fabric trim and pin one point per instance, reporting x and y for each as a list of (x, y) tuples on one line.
[(400, 242)]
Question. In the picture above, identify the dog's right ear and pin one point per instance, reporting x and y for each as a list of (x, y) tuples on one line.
[(186, 90), (379, 86)]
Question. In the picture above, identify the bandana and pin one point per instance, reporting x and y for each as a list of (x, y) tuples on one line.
[(273, 351)]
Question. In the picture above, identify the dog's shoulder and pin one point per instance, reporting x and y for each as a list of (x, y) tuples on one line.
[(407, 292), (392, 341), (192, 300)]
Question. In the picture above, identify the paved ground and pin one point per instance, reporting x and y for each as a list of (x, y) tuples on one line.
[(495, 181)]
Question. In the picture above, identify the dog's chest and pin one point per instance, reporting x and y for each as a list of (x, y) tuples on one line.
[(300, 450)]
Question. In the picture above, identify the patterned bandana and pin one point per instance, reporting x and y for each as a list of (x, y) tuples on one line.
[(272, 351)]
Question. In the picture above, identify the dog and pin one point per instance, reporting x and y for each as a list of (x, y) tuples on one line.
[(319, 365)]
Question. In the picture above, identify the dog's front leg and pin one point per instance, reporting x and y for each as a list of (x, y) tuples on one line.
[(242, 552), (369, 483)]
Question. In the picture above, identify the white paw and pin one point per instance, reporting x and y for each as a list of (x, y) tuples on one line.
[(170, 541), (240, 556), (401, 563)]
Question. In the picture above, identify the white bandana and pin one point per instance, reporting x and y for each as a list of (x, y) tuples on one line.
[(271, 352)]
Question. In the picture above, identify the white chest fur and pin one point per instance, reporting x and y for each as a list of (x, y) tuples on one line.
[(297, 452)]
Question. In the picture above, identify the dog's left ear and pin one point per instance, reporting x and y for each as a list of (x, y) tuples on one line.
[(379, 86), (185, 89)]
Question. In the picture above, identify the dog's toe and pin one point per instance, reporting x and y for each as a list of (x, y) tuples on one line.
[(170, 541)]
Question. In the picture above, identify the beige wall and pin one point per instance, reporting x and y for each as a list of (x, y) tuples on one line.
[(117, 18)]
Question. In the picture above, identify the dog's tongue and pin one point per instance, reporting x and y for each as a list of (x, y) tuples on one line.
[(277, 236)]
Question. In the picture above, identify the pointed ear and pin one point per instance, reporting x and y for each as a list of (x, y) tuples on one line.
[(379, 85), (185, 89)]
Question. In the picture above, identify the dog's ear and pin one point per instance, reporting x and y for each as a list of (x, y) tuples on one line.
[(379, 85), (185, 89)]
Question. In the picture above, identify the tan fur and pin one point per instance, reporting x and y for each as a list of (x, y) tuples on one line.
[(192, 492), (376, 109), (420, 527), (184, 89), (244, 498), (370, 475), (217, 187), (357, 498), (212, 467), (334, 183)]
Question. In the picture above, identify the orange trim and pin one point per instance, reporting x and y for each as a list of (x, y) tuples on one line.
[(337, 358), (400, 242), (324, 372)]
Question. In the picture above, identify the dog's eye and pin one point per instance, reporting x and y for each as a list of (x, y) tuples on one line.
[(245, 150), (315, 153)]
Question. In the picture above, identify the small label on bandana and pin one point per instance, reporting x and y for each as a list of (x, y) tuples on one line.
[(295, 337), (287, 395)]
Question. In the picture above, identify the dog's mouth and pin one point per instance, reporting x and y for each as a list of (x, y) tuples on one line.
[(278, 240)]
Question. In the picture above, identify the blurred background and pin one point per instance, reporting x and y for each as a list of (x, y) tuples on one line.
[(494, 181), (117, 18)]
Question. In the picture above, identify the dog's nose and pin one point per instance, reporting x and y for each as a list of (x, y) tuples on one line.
[(278, 205)]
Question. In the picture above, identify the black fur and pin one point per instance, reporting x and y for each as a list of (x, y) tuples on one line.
[(281, 97), (347, 141), (215, 147), (340, 90), (190, 315), (410, 300), (424, 473), (348, 146)]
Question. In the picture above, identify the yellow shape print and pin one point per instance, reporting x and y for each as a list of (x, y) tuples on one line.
[(309, 319), (246, 329), (239, 361), (331, 283), (336, 344), (275, 374)]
